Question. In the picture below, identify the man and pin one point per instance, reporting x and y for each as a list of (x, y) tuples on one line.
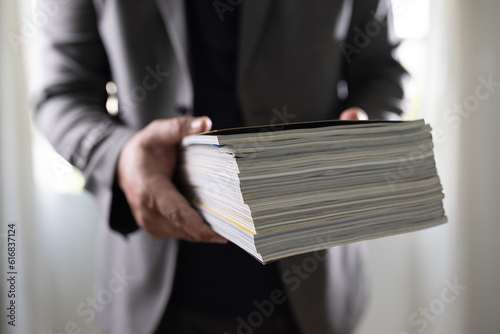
[(240, 63)]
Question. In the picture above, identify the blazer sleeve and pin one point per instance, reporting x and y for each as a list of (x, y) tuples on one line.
[(375, 78), (70, 108)]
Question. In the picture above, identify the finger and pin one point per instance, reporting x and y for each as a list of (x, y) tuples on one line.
[(178, 213), (354, 114), (155, 225), (194, 225), (171, 131)]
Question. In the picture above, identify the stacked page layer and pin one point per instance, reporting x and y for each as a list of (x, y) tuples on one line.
[(311, 186)]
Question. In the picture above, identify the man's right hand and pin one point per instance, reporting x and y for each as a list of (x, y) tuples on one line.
[(145, 168)]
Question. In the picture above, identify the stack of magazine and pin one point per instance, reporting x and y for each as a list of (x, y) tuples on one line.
[(300, 187)]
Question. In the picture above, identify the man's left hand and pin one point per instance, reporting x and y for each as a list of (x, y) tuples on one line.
[(353, 114)]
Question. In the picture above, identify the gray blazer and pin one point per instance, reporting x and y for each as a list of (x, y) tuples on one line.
[(314, 57)]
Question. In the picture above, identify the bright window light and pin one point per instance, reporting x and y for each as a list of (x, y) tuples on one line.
[(411, 18)]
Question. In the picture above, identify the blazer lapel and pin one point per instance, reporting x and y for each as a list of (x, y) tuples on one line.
[(174, 17), (253, 20)]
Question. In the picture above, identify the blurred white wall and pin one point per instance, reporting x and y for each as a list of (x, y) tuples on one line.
[(409, 271), (55, 232)]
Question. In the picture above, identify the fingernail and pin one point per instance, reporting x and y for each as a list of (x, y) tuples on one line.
[(361, 115), (196, 125)]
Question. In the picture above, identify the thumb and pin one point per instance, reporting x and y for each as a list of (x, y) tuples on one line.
[(184, 126), (171, 131), (353, 114), (197, 125)]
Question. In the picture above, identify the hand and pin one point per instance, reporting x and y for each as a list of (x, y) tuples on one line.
[(353, 114), (145, 168)]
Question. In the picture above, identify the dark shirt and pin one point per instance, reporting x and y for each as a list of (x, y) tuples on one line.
[(213, 54), (210, 278)]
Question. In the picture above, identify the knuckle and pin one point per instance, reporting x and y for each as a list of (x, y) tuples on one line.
[(154, 127), (197, 232), (183, 221), (156, 123), (174, 216), (150, 225)]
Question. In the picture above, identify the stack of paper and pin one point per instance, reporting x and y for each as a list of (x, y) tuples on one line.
[(302, 187)]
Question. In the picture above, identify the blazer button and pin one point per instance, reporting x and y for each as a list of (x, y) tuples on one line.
[(182, 110)]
